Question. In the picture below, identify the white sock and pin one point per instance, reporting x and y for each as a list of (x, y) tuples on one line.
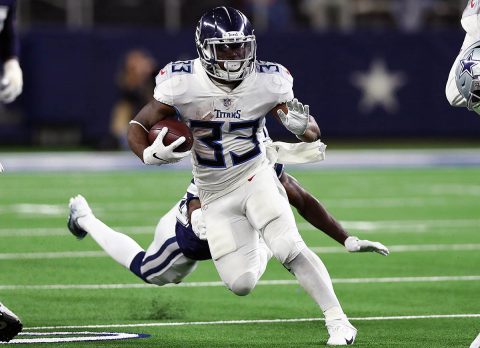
[(334, 313), (314, 278), (119, 246)]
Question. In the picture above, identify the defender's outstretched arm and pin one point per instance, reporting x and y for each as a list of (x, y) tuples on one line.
[(315, 213)]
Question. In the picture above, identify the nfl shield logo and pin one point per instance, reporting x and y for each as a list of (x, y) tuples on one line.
[(227, 102)]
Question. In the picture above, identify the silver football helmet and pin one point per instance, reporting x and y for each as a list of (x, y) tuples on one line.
[(467, 75)]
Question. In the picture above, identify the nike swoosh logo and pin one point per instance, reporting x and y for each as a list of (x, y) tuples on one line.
[(251, 178), (350, 341), (155, 155)]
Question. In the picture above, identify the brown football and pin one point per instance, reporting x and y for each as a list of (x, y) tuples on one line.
[(176, 129)]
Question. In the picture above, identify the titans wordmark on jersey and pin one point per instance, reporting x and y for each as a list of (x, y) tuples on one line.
[(227, 125)]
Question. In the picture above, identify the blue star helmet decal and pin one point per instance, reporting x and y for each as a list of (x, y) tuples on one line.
[(467, 64)]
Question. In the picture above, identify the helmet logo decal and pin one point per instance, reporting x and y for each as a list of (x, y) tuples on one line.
[(467, 65), (233, 34)]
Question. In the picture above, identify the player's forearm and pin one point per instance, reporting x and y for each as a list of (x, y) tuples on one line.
[(137, 132), (314, 212), (312, 133), (137, 139)]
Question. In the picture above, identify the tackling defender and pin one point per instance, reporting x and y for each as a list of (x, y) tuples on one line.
[(11, 82), (463, 84), (224, 97), (180, 236)]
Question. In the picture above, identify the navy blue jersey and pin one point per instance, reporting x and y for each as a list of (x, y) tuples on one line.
[(8, 33), (190, 245)]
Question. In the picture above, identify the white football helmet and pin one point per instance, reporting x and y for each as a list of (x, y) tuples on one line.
[(467, 75)]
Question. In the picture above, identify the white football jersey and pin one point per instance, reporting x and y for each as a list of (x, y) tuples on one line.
[(470, 18), (227, 126)]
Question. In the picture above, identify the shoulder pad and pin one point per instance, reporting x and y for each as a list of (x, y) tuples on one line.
[(472, 8), (273, 68), (172, 81), (278, 79), (174, 69)]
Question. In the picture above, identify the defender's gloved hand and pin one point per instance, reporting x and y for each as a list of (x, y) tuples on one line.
[(296, 120), (353, 244), (158, 153), (198, 224), (11, 84)]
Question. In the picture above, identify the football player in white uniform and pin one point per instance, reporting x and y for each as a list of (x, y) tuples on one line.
[(11, 78), (224, 97), (11, 82), (463, 84), (180, 236)]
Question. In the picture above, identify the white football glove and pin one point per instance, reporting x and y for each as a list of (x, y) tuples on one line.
[(158, 153), (198, 224), (296, 120), (353, 244), (11, 84)]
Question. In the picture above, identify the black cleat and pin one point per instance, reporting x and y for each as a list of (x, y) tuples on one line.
[(78, 208), (76, 230), (10, 324)]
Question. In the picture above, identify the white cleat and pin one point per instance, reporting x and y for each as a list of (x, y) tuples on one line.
[(341, 332), (78, 208)]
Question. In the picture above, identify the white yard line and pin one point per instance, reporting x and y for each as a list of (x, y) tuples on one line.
[(387, 226), (29, 209), (259, 321), (406, 248), (51, 255), (260, 283), (320, 250), (63, 231)]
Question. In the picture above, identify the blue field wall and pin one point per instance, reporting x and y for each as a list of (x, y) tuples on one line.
[(367, 84)]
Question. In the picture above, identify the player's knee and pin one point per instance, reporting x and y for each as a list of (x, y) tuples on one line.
[(244, 284), (285, 249)]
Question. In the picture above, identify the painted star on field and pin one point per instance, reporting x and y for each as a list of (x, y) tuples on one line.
[(378, 86)]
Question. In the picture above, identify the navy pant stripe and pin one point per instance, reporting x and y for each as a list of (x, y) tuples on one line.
[(136, 264), (162, 265), (160, 251)]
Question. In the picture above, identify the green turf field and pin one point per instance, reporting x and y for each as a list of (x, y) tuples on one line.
[(430, 218)]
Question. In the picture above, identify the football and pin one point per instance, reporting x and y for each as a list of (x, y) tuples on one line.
[(176, 129)]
